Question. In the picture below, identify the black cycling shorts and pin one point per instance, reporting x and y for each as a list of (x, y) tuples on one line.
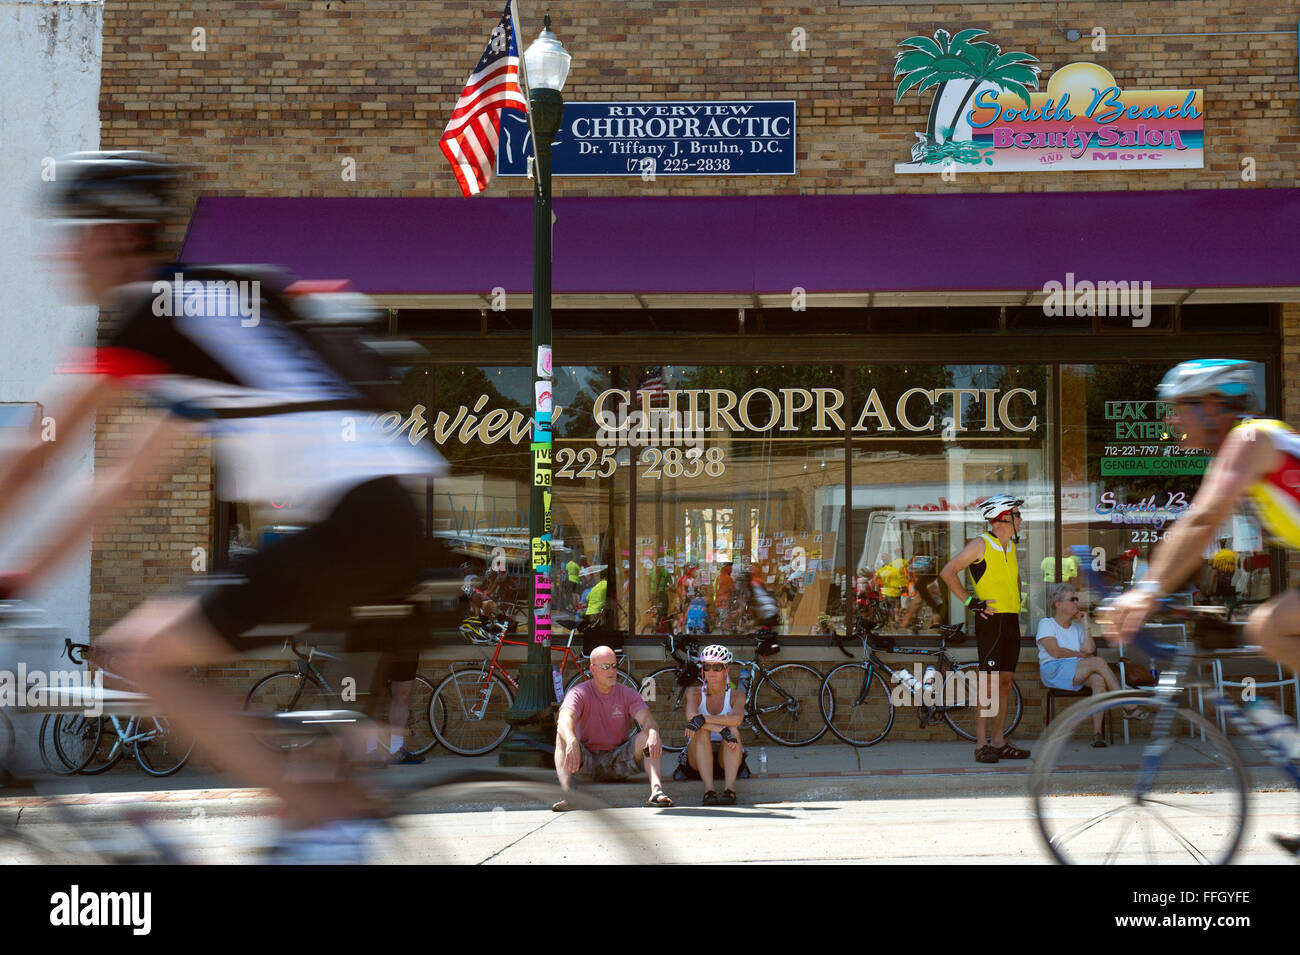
[(367, 551), (402, 667), (998, 639)]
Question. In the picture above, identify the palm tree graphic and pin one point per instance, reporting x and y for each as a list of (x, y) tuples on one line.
[(924, 62)]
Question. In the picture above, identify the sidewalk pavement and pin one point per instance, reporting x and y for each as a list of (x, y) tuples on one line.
[(889, 770)]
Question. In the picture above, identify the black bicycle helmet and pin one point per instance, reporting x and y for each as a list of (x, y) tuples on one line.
[(105, 187)]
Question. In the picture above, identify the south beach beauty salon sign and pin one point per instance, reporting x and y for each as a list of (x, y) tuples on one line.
[(987, 113)]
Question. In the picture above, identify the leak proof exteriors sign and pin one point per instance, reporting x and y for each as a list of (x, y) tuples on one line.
[(983, 116), (678, 138)]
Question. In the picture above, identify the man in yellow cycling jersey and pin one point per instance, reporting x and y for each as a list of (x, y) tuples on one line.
[(1253, 459), (991, 558)]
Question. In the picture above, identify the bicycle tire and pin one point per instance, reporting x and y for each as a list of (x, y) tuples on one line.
[(288, 691), (1196, 772), (856, 717), (667, 702), (166, 751), (421, 715), (961, 719), (786, 707), (50, 758), (458, 693), (110, 751), (74, 738)]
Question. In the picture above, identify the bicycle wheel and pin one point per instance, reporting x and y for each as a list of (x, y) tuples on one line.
[(288, 691), (961, 702), (165, 748), (785, 704), (424, 711), (463, 731), (74, 738), (856, 705), (110, 750), (1186, 802), (667, 702)]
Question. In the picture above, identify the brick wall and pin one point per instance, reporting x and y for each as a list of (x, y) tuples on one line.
[(285, 90), (150, 546)]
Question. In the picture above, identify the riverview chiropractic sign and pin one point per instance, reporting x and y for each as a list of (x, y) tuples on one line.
[(984, 117), (716, 138)]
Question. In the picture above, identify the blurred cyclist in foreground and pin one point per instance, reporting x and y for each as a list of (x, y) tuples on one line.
[(1253, 459), (299, 434)]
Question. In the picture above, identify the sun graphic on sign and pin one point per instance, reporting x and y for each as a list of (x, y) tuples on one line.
[(1079, 80)]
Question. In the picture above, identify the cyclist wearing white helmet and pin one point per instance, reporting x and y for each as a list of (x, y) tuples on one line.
[(1255, 460), (714, 713), (991, 558)]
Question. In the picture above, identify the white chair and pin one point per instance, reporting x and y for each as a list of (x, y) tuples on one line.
[(1222, 685)]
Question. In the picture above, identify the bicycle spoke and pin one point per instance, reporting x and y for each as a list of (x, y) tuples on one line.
[(1060, 839), (1194, 852), (1119, 841)]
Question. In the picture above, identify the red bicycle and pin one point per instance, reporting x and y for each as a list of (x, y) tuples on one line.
[(472, 702)]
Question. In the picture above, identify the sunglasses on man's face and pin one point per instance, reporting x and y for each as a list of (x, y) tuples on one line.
[(713, 667), (605, 666)]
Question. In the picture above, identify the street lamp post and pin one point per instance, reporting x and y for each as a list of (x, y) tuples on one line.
[(533, 741)]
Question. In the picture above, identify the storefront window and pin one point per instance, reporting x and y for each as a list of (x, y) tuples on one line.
[(1125, 480), (481, 423), (930, 443), (739, 471), (589, 508)]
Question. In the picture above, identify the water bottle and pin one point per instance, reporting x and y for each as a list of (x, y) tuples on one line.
[(908, 679), (931, 677), (743, 683), (559, 688), (762, 761)]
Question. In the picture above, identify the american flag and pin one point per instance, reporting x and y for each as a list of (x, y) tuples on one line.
[(470, 140), (652, 386)]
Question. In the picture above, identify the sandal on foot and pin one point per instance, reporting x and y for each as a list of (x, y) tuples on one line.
[(1010, 752), (1098, 741), (659, 798), (1134, 713), (728, 797), (986, 754), (710, 798), (561, 806)]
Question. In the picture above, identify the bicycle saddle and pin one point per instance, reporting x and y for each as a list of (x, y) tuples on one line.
[(953, 633)]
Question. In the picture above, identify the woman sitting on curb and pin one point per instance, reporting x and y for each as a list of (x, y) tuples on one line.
[(714, 713), (1067, 656)]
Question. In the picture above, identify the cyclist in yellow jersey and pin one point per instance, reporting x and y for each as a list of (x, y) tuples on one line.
[(1254, 460), (991, 558)]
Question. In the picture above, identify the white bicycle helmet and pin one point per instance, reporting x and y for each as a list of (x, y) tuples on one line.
[(997, 505), (716, 653), (1228, 378)]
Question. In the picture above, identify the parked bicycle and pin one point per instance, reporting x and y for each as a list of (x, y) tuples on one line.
[(308, 687), (91, 745), (475, 699), (780, 702), (857, 699)]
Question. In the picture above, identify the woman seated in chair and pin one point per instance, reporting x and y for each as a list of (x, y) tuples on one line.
[(1067, 656), (714, 713)]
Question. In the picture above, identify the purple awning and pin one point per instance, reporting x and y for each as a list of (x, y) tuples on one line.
[(1215, 238)]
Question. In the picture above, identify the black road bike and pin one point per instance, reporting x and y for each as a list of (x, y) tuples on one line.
[(859, 704)]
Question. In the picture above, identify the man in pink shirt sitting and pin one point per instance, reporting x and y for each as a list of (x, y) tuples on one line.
[(592, 738)]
